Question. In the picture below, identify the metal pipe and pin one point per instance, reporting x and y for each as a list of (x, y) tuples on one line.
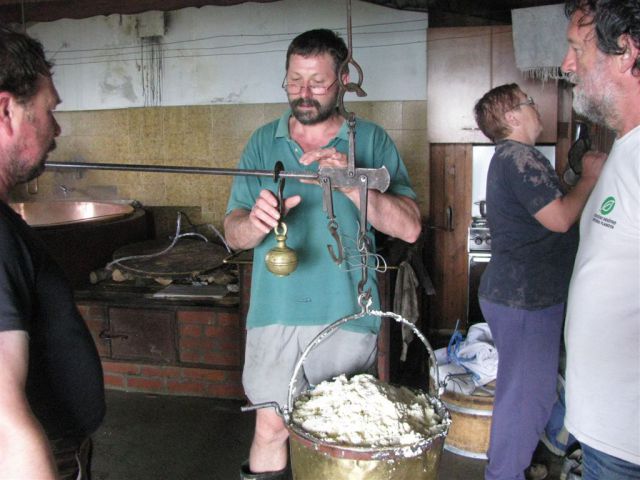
[(182, 169)]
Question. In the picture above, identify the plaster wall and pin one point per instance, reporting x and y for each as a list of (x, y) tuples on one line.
[(225, 55)]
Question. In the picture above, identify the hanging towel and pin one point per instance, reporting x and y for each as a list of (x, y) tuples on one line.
[(405, 302), (539, 40)]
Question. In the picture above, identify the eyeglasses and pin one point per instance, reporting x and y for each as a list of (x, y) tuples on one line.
[(296, 88), (528, 101)]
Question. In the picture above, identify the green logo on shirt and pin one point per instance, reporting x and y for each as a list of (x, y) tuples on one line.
[(607, 205)]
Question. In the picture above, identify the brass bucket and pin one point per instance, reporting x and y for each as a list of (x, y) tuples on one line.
[(315, 459)]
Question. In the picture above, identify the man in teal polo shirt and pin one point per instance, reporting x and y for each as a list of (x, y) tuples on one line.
[(286, 313)]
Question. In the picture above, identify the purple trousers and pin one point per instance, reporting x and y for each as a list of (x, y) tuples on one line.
[(528, 343)]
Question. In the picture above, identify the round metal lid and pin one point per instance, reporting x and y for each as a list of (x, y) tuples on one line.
[(187, 258)]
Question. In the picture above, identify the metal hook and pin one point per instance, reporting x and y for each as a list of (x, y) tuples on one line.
[(344, 69), (365, 301), (281, 198), (333, 229), (279, 167), (365, 276)]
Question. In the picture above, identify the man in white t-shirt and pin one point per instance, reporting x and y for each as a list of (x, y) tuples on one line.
[(602, 331)]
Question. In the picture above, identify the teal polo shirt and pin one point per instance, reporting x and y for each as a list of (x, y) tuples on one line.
[(318, 292)]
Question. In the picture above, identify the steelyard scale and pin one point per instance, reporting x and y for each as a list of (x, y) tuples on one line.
[(282, 260)]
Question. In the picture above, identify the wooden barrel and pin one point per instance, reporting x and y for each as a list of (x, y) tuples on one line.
[(470, 424)]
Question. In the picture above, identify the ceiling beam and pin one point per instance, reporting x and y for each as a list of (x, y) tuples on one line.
[(49, 10), (441, 12)]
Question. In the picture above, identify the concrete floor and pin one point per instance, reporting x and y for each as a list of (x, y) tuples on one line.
[(149, 437)]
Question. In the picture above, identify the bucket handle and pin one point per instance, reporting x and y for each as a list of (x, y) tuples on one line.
[(435, 389)]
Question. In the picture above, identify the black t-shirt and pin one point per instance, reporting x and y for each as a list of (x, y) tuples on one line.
[(530, 266), (64, 383)]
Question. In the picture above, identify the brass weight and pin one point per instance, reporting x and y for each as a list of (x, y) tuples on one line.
[(281, 260)]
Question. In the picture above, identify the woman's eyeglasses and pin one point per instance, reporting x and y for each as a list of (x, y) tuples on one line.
[(528, 101)]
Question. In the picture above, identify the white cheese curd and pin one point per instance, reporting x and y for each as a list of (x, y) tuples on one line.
[(363, 411)]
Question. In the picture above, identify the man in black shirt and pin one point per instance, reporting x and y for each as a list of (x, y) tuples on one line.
[(51, 385)]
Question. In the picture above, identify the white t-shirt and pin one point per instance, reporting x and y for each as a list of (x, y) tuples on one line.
[(602, 330)]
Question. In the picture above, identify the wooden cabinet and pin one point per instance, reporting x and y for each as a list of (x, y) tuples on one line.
[(458, 74), (462, 65), (450, 216)]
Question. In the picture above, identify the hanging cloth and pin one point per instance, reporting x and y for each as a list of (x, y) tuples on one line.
[(405, 302), (539, 40)]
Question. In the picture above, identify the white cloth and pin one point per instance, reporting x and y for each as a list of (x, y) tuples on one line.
[(479, 332), (476, 355), (602, 332), (539, 40)]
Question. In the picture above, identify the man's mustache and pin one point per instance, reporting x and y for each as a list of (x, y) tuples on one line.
[(306, 102), (573, 78)]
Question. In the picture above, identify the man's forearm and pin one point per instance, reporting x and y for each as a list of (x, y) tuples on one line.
[(26, 452), (394, 215), (24, 448), (240, 232)]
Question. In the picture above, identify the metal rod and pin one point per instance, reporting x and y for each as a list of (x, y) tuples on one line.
[(181, 169)]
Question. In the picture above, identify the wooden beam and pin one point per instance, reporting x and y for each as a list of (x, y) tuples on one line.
[(50, 10)]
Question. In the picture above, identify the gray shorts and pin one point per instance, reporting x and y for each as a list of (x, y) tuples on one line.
[(272, 353)]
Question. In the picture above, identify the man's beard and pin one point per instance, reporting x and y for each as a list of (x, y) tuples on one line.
[(19, 174), (309, 117), (594, 97)]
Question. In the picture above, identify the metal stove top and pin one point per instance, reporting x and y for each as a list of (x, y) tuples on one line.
[(479, 238)]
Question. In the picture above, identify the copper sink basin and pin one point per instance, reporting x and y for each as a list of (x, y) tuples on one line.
[(52, 213)]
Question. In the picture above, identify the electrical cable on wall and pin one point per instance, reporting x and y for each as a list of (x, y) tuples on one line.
[(131, 52)]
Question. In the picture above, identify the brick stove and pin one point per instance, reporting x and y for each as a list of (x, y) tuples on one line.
[(191, 347), (182, 347), (185, 351)]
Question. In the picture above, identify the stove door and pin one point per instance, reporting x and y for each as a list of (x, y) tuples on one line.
[(477, 263)]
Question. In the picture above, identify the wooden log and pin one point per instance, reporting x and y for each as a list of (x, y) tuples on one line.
[(121, 276), (99, 275)]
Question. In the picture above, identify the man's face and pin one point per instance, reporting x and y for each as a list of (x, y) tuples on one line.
[(309, 108), (36, 130), (594, 92)]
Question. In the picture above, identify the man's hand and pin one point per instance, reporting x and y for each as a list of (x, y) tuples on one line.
[(396, 216), (265, 214), (326, 157), (329, 157), (246, 229)]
